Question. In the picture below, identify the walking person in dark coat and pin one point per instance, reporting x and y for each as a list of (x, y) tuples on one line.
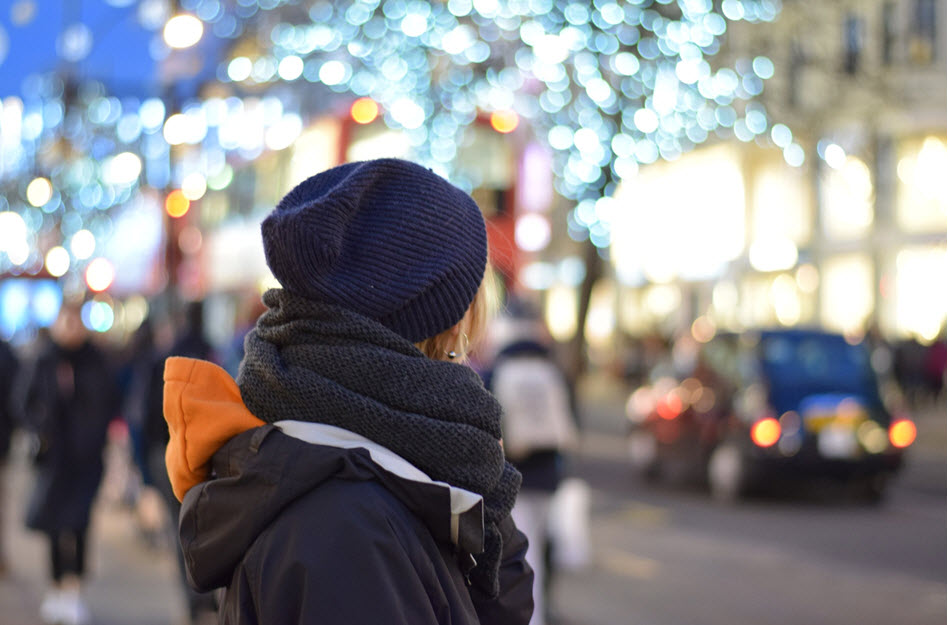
[(8, 370), (354, 472), (68, 403)]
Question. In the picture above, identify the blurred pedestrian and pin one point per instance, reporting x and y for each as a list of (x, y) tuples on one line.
[(189, 342), (138, 366), (354, 472), (68, 401), (141, 405), (934, 369), (539, 427), (250, 309), (8, 370)]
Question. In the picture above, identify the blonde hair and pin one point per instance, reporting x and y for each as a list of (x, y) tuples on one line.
[(470, 329)]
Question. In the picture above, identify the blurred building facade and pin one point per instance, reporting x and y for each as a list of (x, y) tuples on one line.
[(836, 219)]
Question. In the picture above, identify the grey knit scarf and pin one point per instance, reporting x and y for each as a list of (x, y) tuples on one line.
[(319, 363)]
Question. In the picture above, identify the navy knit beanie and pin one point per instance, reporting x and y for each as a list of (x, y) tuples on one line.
[(387, 238)]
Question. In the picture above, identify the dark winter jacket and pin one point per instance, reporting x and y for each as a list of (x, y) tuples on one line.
[(8, 372), (310, 523), (68, 402)]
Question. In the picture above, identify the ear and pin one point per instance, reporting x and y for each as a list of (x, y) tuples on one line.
[(456, 329)]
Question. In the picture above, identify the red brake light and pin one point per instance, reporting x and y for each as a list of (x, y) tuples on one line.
[(669, 406), (902, 433)]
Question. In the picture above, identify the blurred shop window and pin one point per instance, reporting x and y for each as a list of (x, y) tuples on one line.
[(924, 34), (920, 305), (270, 171), (781, 216), (921, 194), (847, 293), (846, 199), (601, 320), (376, 140), (315, 150), (680, 220), (854, 42), (769, 299)]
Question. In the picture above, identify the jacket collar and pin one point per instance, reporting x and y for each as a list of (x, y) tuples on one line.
[(467, 508)]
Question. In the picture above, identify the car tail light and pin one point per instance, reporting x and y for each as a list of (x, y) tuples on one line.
[(902, 433), (766, 432), (669, 406)]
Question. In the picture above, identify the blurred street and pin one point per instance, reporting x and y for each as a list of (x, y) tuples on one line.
[(735, 208), (660, 555)]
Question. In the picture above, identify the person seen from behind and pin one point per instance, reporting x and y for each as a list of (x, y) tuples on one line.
[(68, 402), (354, 472), (539, 426)]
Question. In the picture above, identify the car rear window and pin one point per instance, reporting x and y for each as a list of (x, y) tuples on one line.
[(798, 365)]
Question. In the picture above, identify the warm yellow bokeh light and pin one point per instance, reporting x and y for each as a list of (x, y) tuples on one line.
[(561, 312), (504, 121), (766, 432), (39, 191), (176, 204), (99, 275), (364, 111)]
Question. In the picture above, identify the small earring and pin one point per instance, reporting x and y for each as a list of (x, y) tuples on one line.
[(452, 354)]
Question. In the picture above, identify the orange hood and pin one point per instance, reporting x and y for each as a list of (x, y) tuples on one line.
[(204, 410)]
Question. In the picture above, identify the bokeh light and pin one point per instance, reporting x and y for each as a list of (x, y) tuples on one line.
[(766, 432), (57, 261), (39, 191), (122, 169), (99, 274), (504, 121), (177, 204), (902, 433), (364, 111), (12, 230), (532, 232), (183, 31), (82, 244), (194, 186), (98, 316)]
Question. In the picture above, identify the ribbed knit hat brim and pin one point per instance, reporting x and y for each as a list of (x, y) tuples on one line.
[(387, 238)]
